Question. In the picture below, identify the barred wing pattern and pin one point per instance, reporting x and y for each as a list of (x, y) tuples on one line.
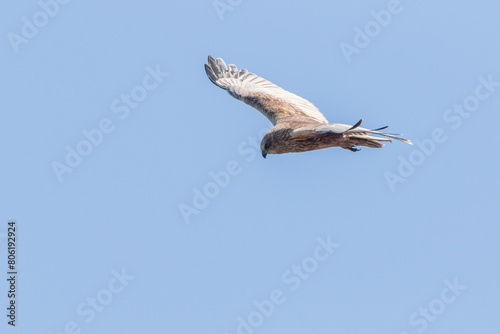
[(271, 100)]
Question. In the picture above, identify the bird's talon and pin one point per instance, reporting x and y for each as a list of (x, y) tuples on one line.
[(354, 149)]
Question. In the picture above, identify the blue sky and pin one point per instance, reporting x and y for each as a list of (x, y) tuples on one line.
[(143, 205)]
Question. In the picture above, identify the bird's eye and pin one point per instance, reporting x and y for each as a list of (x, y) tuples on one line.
[(267, 145)]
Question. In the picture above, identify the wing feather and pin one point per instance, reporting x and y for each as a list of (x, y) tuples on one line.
[(271, 100), (349, 131)]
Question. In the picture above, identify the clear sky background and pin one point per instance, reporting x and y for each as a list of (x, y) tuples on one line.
[(398, 240)]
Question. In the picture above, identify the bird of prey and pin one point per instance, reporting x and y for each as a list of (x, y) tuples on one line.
[(298, 125)]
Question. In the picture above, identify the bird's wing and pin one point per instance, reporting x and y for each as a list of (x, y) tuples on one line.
[(347, 130), (272, 101)]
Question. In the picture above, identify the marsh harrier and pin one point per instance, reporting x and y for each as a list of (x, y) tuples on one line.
[(298, 125)]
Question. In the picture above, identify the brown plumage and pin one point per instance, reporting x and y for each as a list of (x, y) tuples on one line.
[(298, 125)]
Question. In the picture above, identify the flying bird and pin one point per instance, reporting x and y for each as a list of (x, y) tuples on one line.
[(298, 125)]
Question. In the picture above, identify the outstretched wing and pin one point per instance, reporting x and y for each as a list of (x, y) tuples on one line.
[(272, 101)]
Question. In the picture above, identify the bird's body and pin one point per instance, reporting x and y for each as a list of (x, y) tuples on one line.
[(298, 125), (287, 141)]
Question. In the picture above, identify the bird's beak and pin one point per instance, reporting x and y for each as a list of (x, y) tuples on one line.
[(264, 154)]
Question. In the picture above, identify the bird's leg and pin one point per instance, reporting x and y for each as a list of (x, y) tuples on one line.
[(353, 149)]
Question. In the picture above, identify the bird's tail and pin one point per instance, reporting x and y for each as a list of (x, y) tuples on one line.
[(356, 136)]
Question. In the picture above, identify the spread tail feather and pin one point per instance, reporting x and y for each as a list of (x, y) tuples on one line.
[(356, 136)]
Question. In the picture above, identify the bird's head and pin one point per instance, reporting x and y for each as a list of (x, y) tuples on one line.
[(266, 146)]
